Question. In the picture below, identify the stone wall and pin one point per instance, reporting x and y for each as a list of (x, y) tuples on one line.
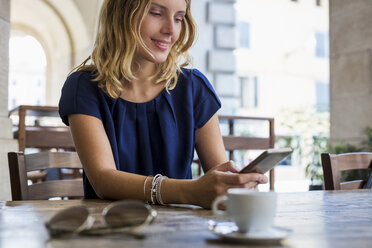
[(6, 141), (350, 69)]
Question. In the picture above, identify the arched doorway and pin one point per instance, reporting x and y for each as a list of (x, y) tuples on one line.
[(27, 74), (62, 31)]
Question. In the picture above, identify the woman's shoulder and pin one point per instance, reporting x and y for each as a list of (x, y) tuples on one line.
[(197, 80), (192, 74), (81, 83), (80, 77)]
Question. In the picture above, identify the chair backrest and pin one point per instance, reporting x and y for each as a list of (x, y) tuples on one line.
[(20, 164), (40, 136), (334, 164), (233, 142)]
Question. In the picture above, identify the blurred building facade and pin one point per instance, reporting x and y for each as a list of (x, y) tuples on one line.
[(283, 55), (283, 70)]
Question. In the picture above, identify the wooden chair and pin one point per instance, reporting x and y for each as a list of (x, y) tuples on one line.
[(42, 137), (233, 142), (20, 164), (334, 164)]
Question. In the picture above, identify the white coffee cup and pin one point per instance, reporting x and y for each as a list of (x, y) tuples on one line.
[(251, 210)]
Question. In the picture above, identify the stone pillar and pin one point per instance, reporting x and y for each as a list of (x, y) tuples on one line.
[(214, 50), (6, 141), (350, 69)]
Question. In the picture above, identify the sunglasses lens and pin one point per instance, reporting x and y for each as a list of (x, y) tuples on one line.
[(68, 220), (127, 214)]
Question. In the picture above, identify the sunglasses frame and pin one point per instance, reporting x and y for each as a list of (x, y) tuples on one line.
[(90, 227)]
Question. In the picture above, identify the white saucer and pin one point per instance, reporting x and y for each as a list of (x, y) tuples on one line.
[(229, 231)]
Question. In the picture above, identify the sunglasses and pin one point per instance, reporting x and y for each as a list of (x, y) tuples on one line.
[(119, 217)]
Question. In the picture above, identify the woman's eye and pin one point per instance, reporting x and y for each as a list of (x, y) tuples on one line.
[(155, 13), (179, 18)]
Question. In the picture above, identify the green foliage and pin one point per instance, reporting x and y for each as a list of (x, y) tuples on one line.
[(367, 144), (343, 147), (312, 130), (302, 124), (314, 169), (292, 142)]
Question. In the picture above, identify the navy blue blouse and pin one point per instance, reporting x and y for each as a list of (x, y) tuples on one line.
[(147, 138)]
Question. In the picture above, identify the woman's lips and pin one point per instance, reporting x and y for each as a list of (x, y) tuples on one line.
[(162, 45)]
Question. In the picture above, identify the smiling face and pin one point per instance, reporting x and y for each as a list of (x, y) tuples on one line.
[(161, 29)]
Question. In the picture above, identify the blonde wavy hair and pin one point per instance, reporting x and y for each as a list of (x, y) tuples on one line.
[(118, 38)]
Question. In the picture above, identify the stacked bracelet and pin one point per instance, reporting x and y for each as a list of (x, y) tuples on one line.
[(144, 189), (153, 188), (156, 189)]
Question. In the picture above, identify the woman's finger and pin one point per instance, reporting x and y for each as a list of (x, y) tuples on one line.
[(251, 185), (228, 166), (237, 179)]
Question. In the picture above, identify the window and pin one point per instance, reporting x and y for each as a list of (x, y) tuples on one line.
[(249, 92), (255, 90), (244, 34), (322, 44), (322, 96)]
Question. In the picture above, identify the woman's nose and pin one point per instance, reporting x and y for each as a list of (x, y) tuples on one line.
[(168, 26)]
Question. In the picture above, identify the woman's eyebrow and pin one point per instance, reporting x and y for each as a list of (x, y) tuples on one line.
[(165, 8)]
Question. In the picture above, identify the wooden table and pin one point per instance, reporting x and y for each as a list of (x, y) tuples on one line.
[(317, 218)]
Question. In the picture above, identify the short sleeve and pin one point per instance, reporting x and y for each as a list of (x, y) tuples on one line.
[(206, 101), (80, 95)]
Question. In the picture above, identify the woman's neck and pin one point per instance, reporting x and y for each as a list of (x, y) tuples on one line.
[(143, 88), (143, 71)]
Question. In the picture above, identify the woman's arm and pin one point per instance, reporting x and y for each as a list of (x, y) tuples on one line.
[(95, 153), (209, 144), (218, 178)]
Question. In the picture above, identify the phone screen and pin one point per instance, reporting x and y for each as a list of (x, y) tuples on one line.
[(266, 160)]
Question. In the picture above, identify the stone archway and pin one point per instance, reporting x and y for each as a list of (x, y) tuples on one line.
[(60, 28), (65, 29)]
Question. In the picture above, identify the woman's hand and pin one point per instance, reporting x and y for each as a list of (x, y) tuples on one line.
[(219, 179)]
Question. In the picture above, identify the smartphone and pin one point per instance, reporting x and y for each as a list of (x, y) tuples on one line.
[(266, 160)]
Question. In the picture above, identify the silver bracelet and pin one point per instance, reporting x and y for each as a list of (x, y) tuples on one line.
[(158, 190), (144, 189), (153, 188)]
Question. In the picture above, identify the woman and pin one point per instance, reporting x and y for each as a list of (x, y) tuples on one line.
[(136, 116)]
